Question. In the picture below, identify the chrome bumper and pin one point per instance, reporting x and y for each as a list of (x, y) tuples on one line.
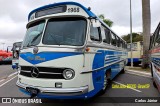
[(56, 91)]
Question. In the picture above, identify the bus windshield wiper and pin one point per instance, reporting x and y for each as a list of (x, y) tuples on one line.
[(55, 41), (34, 39)]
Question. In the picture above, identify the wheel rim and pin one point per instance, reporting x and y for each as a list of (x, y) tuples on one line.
[(105, 82)]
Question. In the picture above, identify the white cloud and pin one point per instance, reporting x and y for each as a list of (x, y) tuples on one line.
[(14, 15)]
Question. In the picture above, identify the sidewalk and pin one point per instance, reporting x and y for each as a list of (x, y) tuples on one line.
[(139, 73)]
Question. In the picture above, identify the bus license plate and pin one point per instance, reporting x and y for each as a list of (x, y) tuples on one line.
[(15, 61), (32, 90)]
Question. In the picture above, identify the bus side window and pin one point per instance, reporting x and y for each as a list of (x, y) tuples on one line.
[(108, 36), (129, 46), (118, 42), (103, 34), (126, 46), (123, 44), (151, 43), (157, 34), (113, 42), (95, 33)]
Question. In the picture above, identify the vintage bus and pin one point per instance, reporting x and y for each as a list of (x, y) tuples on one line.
[(155, 57), (68, 53), (15, 52), (137, 52)]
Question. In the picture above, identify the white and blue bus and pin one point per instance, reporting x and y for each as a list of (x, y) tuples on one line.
[(68, 53), (15, 54), (137, 52), (155, 57)]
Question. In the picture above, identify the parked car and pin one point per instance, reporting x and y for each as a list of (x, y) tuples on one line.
[(7, 60)]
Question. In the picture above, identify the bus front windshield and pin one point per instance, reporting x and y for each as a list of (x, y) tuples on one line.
[(34, 33), (65, 31)]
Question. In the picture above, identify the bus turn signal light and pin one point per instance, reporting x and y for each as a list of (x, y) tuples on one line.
[(87, 49)]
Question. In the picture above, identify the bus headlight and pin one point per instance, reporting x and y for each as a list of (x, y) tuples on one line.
[(19, 69), (68, 74), (15, 55)]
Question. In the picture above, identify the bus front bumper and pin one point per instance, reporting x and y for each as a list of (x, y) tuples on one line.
[(55, 91)]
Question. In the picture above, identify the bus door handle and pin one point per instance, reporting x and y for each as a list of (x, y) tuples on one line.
[(84, 59)]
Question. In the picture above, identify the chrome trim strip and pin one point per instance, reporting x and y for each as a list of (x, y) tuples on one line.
[(104, 46), (114, 55), (41, 72), (156, 65), (67, 52), (56, 91), (155, 56), (106, 59), (93, 52), (103, 66), (26, 71), (48, 73), (110, 60)]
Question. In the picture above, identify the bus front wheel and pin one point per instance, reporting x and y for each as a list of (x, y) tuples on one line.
[(106, 83)]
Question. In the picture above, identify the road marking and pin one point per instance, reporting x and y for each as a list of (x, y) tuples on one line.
[(126, 86), (13, 74), (8, 81), (2, 80), (148, 76)]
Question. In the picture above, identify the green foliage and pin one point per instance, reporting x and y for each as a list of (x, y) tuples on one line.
[(107, 21), (135, 37)]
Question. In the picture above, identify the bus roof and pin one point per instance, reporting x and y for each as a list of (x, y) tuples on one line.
[(90, 13), (63, 3)]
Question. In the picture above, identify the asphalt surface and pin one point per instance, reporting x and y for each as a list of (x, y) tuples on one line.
[(5, 70), (9, 89)]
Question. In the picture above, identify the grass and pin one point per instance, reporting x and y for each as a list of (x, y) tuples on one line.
[(137, 68)]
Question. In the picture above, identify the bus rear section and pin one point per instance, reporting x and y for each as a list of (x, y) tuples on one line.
[(59, 57), (155, 57), (137, 53)]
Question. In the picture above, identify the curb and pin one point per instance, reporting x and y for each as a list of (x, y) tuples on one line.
[(144, 74)]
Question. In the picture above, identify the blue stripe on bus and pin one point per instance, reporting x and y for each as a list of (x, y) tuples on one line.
[(45, 56), (98, 62), (97, 76)]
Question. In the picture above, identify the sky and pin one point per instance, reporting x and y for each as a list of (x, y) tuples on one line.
[(14, 13)]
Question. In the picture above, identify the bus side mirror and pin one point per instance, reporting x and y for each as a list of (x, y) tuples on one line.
[(95, 23)]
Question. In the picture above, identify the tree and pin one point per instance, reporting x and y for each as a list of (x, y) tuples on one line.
[(107, 21), (135, 37), (146, 16)]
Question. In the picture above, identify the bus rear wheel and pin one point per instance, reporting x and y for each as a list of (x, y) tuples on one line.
[(105, 84), (154, 84), (122, 71)]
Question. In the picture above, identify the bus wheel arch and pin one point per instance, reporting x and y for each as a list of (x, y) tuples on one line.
[(107, 80)]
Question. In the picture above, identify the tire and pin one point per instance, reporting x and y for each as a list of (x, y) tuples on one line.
[(151, 70), (122, 71), (154, 84), (105, 84)]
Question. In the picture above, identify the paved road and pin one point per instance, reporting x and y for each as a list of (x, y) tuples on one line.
[(9, 89), (5, 70)]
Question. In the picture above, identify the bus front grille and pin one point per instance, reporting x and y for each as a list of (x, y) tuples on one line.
[(43, 72)]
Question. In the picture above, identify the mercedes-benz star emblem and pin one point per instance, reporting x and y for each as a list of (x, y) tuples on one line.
[(34, 72), (35, 50)]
